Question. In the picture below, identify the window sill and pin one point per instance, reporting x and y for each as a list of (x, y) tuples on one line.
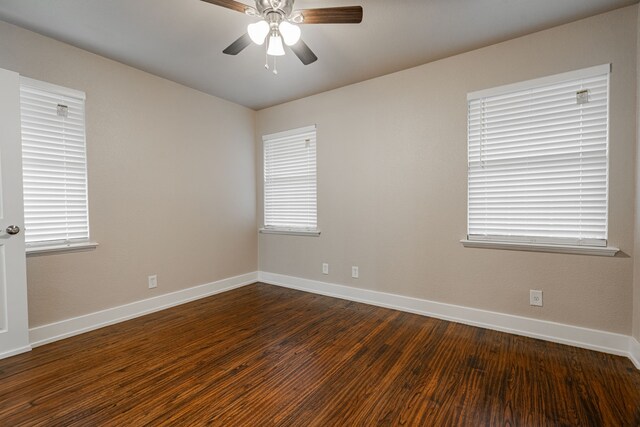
[(291, 232), (541, 247), (68, 247)]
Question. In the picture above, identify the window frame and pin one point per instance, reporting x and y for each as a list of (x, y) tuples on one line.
[(79, 244), (547, 243), (288, 230)]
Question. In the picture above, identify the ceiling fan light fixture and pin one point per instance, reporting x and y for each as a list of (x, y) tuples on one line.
[(290, 33), (279, 22), (275, 46), (258, 31)]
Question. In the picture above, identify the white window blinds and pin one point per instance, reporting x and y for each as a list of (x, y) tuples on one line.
[(290, 201), (538, 160), (53, 164)]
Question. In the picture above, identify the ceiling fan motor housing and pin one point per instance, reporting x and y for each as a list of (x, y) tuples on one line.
[(282, 7)]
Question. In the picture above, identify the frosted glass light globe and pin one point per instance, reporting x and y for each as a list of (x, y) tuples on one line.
[(275, 46), (290, 33), (258, 31)]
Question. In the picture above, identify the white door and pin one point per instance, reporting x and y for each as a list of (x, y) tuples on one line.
[(14, 327)]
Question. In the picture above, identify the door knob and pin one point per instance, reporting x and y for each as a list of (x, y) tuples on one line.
[(13, 229)]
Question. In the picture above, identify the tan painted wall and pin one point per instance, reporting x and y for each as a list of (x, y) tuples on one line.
[(636, 262), (171, 183), (392, 183)]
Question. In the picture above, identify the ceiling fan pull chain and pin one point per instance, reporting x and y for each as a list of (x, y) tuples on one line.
[(266, 56), (275, 65)]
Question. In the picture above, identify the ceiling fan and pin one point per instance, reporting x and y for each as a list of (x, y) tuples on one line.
[(279, 21)]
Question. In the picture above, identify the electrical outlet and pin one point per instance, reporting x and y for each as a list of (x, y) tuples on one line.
[(325, 268), (153, 281), (535, 298), (354, 272)]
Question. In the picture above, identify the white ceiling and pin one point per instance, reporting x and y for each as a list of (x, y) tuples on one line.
[(182, 40)]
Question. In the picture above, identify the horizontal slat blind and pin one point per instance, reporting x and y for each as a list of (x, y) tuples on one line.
[(53, 164), (290, 200), (538, 162)]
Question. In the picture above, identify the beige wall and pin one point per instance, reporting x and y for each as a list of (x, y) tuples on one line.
[(636, 261), (173, 186), (171, 183), (392, 183)]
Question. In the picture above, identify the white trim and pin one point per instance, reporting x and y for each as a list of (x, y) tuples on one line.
[(634, 351), (65, 247), (591, 339), (289, 231), (584, 73), (15, 351), (286, 133), (539, 240), (44, 334), (50, 87), (576, 336), (542, 247)]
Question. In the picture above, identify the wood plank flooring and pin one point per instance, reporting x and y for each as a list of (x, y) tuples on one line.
[(263, 355)]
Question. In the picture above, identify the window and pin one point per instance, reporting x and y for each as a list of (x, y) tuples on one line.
[(290, 202), (54, 165), (538, 160)]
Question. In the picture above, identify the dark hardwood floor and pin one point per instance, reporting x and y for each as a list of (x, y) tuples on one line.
[(263, 355)]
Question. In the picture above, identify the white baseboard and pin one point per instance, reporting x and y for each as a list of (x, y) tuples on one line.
[(634, 351), (576, 336), (591, 339), (15, 351), (41, 335)]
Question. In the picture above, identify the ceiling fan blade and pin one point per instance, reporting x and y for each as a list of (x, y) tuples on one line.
[(230, 4), (303, 52), (237, 46), (332, 15)]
